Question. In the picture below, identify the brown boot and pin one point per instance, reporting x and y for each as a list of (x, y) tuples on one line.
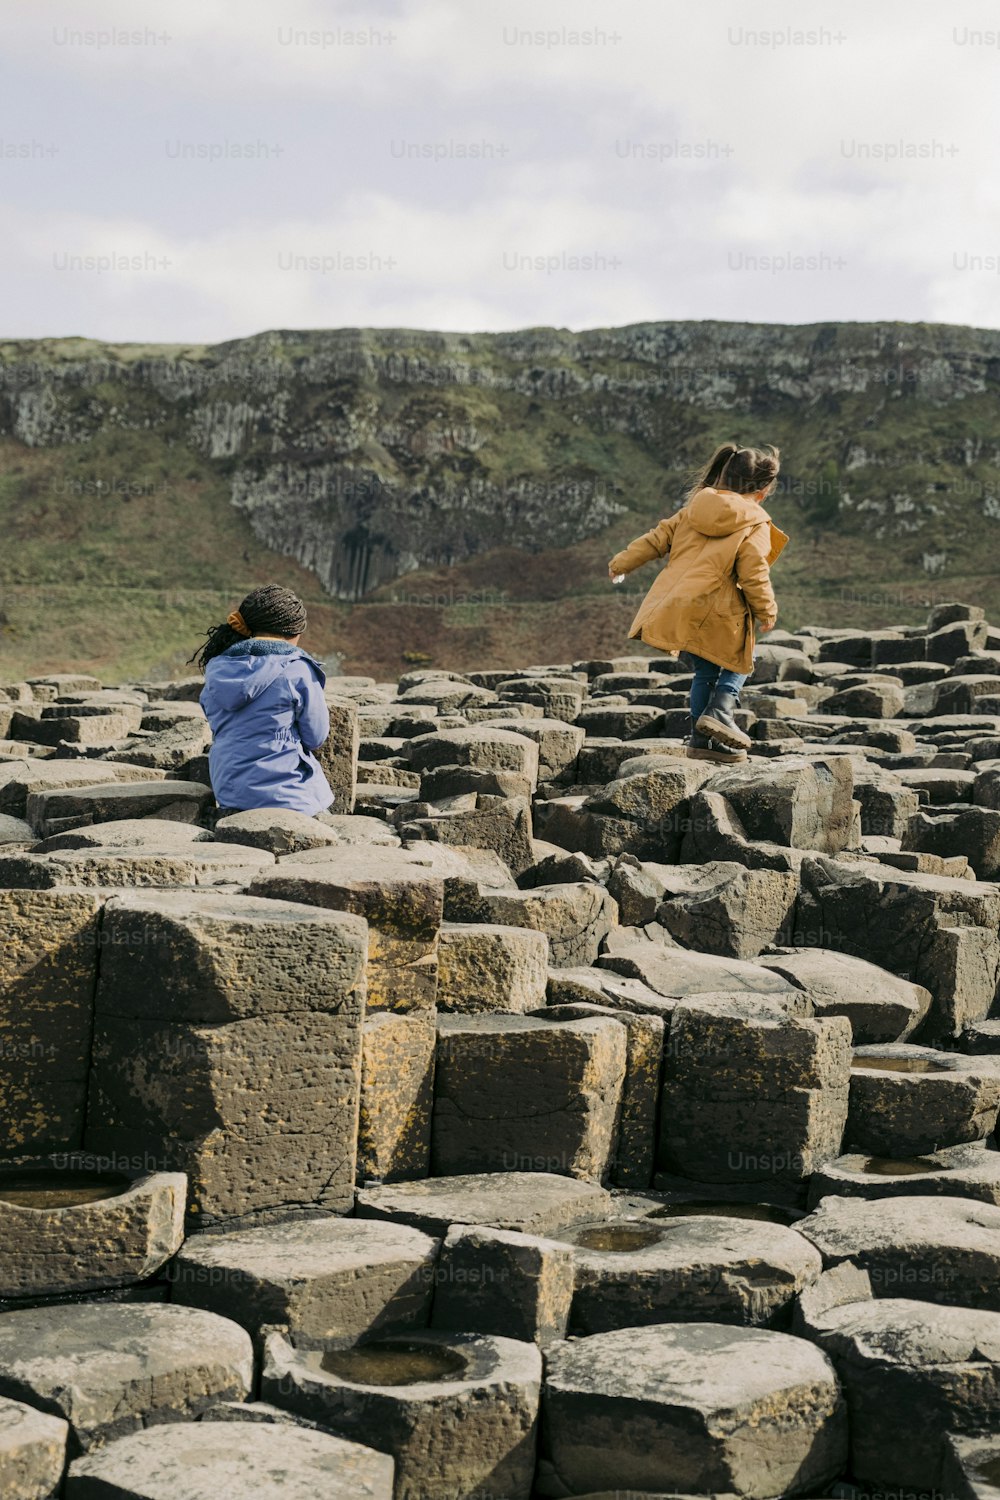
[(700, 747)]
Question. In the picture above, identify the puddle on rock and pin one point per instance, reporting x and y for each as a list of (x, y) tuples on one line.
[(43, 1190), (618, 1237), (394, 1364), (770, 1213), (988, 1470), (911, 1166), (900, 1064)]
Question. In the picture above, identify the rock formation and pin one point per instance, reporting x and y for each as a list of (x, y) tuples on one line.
[(554, 1117)]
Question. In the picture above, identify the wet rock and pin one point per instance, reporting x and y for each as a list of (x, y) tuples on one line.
[(467, 1429), (58, 1236), (906, 1101), (630, 1273), (956, 1172), (669, 1408)]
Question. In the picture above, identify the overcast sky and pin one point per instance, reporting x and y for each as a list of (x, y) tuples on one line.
[(229, 166)]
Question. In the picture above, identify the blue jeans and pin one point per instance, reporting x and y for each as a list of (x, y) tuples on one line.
[(708, 676)]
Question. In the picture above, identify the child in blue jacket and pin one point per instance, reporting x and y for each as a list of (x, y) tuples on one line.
[(263, 698)]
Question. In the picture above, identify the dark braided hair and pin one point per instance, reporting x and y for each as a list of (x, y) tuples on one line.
[(269, 610)]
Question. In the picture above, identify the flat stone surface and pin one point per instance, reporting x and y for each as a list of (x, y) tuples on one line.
[(339, 1279), (629, 1273), (113, 1369), (672, 1408), (127, 833), (532, 1202), (912, 1374), (956, 1172), (220, 1461), (880, 1006), (944, 1250), (197, 864), (32, 1452)]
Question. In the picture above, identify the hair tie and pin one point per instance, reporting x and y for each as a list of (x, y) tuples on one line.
[(238, 623)]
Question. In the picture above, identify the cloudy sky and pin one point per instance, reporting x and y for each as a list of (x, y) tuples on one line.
[(200, 170)]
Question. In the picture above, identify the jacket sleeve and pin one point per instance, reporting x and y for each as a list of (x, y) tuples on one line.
[(655, 543), (754, 576), (313, 717)]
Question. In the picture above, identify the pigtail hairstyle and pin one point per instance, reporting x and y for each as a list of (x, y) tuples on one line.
[(269, 610), (744, 470)]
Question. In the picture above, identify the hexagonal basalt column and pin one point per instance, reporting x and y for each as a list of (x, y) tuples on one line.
[(401, 901), (686, 1409), (228, 1045), (957, 1172), (215, 1461), (48, 971), (458, 1412), (906, 1101), (752, 1094), (77, 1230), (111, 1369), (331, 1278), (633, 1272), (512, 1093)]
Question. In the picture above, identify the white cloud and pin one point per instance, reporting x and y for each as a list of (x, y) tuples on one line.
[(807, 128)]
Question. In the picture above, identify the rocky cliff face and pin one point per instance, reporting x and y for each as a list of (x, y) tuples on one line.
[(366, 454)]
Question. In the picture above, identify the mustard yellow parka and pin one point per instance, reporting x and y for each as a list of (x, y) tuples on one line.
[(717, 580)]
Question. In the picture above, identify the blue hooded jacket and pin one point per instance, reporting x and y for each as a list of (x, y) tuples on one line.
[(264, 702)]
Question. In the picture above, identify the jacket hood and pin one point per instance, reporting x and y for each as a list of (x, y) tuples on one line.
[(239, 675), (721, 512)]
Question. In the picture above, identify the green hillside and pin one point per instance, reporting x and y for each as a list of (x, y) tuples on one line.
[(457, 496)]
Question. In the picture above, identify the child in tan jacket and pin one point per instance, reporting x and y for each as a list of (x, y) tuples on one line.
[(714, 595)]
